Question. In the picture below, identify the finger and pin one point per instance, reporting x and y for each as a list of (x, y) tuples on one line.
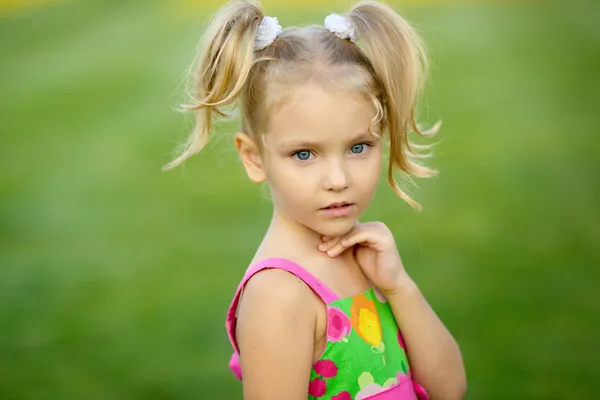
[(329, 244), (339, 247), (335, 242), (325, 238), (358, 237)]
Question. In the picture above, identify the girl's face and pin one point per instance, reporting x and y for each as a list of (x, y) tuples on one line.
[(320, 161)]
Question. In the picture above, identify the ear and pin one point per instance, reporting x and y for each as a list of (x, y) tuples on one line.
[(250, 156)]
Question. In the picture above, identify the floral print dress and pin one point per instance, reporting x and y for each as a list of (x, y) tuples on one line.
[(365, 357)]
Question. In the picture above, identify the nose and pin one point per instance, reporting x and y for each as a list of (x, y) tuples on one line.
[(337, 176)]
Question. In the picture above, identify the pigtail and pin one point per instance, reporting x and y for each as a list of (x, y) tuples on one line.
[(225, 59), (400, 64)]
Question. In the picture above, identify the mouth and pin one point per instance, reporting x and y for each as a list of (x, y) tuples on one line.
[(339, 209), (337, 205)]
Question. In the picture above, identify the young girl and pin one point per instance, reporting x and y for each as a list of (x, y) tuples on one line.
[(326, 309)]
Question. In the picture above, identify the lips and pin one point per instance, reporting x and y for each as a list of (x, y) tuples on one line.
[(338, 209), (337, 205)]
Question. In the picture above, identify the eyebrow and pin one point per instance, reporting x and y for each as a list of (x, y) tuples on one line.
[(365, 136)]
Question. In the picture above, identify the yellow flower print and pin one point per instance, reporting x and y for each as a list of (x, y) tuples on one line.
[(365, 321)]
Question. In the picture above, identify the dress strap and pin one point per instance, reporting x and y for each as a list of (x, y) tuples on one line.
[(320, 289)]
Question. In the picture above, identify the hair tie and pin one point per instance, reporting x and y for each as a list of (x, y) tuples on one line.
[(268, 30), (341, 27)]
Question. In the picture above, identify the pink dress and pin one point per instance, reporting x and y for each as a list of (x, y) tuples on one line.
[(365, 356)]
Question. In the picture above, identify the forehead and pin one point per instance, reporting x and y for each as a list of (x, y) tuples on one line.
[(320, 114)]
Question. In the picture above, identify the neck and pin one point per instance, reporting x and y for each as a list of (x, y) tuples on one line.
[(287, 238)]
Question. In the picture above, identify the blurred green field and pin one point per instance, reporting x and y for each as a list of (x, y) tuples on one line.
[(115, 277)]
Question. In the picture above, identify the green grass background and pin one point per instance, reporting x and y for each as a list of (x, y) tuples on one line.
[(115, 277)]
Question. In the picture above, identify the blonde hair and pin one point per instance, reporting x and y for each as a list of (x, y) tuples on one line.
[(389, 68)]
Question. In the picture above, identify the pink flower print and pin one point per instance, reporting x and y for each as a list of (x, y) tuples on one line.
[(342, 396), (401, 341), (369, 388), (401, 377), (338, 324), (369, 391), (317, 387), (326, 368)]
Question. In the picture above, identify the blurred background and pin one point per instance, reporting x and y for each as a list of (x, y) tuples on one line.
[(115, 277)]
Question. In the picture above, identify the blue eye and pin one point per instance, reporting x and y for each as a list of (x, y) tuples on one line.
[(358, 148), (302, 155)]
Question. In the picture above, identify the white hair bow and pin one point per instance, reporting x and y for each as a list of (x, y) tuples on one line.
[(268, 30), (341, 27)]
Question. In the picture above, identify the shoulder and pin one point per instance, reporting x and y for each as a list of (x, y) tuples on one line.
[(277, 292), (275, 332)]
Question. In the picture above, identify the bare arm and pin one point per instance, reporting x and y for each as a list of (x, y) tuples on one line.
[(275, 335), (435, 358)]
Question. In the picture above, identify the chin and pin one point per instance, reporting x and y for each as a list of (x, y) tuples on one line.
[(335, 228)]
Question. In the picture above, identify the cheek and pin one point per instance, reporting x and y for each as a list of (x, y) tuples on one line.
[(288, 185), (368, 171)]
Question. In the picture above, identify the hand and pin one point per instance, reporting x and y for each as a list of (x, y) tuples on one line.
[(375, 251)]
